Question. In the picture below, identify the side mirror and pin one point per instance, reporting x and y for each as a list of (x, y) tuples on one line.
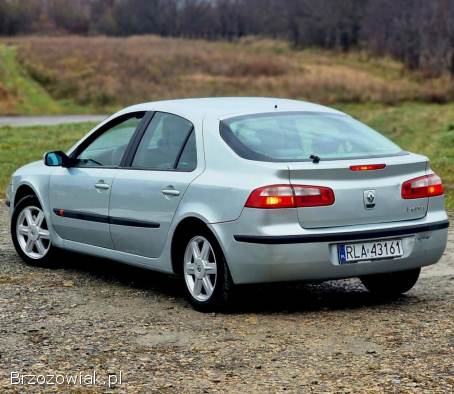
[(57, 159)]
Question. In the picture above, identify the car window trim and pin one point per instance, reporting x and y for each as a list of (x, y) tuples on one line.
[(104, 128), (138, 139), (135, 140)]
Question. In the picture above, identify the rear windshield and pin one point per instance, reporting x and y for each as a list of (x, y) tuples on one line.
[(295, 136)]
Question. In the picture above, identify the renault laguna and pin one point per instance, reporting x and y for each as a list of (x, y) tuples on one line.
[(230, 191)]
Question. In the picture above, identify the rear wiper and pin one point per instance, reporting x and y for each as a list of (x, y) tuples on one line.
[(315, 159)]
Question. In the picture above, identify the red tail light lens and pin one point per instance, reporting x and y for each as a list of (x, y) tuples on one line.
[(274, 196), (290, 196), (313, 196), (424, 186), (368, 167)]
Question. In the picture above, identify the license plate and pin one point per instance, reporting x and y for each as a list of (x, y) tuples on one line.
[(350, 253)]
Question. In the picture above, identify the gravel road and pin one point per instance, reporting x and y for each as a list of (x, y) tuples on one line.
[(48, 120), (93, 314)]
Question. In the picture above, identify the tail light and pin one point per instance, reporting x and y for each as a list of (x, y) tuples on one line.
[(290, 196), (424, 186), (313, 196)]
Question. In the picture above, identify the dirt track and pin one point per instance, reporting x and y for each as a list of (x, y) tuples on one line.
[(99, 315)]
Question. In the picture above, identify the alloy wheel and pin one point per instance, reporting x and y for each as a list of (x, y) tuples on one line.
[(32, 232), (200, 269)]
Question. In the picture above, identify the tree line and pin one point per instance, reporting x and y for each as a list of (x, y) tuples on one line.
[(420, 33)]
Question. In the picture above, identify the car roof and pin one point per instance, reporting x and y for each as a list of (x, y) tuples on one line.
[(222, 107)]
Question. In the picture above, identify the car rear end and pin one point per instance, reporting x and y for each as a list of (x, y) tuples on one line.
[(350, 204)]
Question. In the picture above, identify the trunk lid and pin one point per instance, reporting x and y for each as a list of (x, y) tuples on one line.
[(361, 197)]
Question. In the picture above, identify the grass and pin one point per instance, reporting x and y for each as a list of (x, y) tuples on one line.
[(423, 128), (21, 94), (101, 74), (50, 75), (21, 145)]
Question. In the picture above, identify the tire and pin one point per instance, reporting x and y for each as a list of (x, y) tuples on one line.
[(391, 284), (32, 239), (209, 273)]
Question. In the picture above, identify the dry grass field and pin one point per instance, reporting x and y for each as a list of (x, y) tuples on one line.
[(42, 75), (104, 73)]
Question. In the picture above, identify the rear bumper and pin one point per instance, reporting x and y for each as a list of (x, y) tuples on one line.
[(339, 237), (313, 256)]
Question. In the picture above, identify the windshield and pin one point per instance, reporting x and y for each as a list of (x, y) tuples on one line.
[(295, 136)]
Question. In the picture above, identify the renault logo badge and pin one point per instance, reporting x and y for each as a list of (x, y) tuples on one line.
[(369, 199)]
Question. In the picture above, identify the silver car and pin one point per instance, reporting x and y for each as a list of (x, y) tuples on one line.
[(230, 191)]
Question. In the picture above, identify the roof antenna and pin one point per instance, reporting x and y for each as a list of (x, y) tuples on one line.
[(275, 106)]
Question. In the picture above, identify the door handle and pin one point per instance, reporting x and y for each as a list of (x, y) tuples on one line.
[(102, 185), (170, 192)]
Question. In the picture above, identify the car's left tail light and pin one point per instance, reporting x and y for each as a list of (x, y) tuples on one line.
[(422, 187), (290, 196)]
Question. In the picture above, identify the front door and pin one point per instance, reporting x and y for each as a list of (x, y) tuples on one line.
[(79, 195), (145, 197)]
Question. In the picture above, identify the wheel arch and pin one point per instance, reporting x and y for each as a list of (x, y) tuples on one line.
[(25, 190), (37, 187), (186, 224)]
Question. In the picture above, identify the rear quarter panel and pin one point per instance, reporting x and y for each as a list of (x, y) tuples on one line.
[(220, 192)]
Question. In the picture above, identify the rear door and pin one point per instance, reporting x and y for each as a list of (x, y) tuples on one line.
[(361, 196), (145, 196), (79, 196)]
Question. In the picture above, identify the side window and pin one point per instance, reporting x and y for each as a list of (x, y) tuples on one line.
[(164, 143), (188, 158), (108, 149)]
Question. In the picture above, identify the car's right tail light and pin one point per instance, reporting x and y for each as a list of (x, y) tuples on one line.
[(423, 186), (290, 196)]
